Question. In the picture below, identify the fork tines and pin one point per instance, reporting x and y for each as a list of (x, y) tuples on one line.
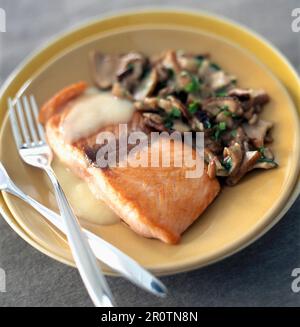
[(26, 129)]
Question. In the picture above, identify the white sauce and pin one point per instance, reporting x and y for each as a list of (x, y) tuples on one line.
[(85, 205), (92, 111)]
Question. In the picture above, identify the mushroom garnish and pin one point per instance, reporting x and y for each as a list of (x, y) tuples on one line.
[(154, 121), (260, 97), (120, 91), (248, 163), (258, 131), (170, 61), (146, 86), (219, 79), (131, 69), (233, 156), (181, 91), (104, 68), (241, 94), (211, 159), (216, 105), (148, 104), (189, 62)]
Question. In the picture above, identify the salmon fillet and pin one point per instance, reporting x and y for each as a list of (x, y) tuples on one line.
[(156, 202)]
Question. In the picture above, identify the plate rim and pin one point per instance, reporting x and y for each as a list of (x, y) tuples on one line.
[(21, 67)]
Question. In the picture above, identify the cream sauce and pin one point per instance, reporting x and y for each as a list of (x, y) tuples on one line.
[(92, 111), (85, 205)]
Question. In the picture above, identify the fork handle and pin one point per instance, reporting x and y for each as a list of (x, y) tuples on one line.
[(83, 256)]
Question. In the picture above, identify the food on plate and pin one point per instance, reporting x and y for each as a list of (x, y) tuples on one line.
[(172, 91)]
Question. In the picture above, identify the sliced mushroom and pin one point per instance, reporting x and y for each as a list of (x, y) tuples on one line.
[(214, 105), (104, 68), (219, 80), (168, 90), (170, 103), (234, 153), (267, 164), (241, 94), (188, 62), (138, 123), (181, 127), (253, 120), (267, 159), (148, 104), (214, 146), (258, 131), (260, 97), (131, 68), (170, 61), (146, 86), (209, 157), (223, 117), (239, 136), (119, 91), (248, 163), (196, 124), (250, 98), (204, 69), (154, 121)]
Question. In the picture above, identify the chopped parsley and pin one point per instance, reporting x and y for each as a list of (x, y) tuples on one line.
[(233, 133), (193, 86), (225, 110), (221, 93), (193, 107), (222, 126), (263, 159), (261, 149), (175, 112), (227, 163), (170, 117), (219, 129)]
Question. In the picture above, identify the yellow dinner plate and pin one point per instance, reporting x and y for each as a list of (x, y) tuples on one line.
[(240, 214)]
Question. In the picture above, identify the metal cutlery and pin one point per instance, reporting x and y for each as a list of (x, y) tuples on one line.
[(33, 149), (104, 251)]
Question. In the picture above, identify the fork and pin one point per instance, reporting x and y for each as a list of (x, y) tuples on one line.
[(104, 251), (34, 150)]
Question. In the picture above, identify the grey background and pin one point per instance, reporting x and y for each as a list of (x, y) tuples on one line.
[(258, 276)]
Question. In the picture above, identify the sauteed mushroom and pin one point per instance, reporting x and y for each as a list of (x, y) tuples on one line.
[(258, 131), (104, 68), (180, 91)]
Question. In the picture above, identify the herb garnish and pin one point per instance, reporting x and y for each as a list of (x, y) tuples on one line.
[(175, 112), (193, 107), (221, 92), (233, 133), (219, 129), (193, 85), (227, 163)]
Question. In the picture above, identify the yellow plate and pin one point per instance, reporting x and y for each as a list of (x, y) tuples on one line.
[(240, 214)]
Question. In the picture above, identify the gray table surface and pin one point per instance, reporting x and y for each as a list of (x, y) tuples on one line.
[(258, 276)]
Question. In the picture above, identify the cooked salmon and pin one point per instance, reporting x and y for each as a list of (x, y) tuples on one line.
[(156, 202)]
